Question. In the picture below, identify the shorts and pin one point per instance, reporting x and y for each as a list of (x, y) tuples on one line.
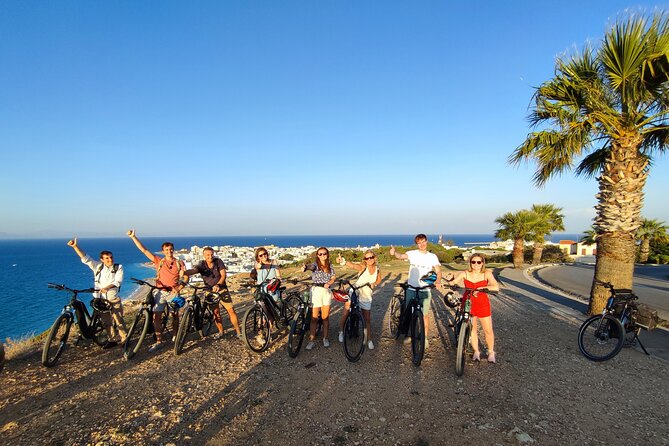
[(222, 296), (320, 297), (426, 295), (161, 298), (365, 304)]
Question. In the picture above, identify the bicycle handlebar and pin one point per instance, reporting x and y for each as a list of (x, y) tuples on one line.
[(617, 292), (144, 282), (347, 282), (64, 288), (405, 285)]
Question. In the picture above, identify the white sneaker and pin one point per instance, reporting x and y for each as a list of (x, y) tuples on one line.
[(310, 345), (370, 345), (326, 343), (341, 336)]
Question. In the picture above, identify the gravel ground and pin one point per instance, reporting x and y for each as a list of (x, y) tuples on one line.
[(217, 392)]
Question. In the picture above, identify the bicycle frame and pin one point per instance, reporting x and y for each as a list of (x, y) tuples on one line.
[(78, 311)]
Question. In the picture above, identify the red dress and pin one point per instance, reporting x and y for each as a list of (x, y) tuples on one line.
[(480, 301)]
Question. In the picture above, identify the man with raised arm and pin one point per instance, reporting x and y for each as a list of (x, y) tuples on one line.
[(421, 262), (213, 272), (170, 272), (108, 277)]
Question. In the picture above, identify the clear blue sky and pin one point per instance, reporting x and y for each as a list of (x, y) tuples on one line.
[(249, 117)]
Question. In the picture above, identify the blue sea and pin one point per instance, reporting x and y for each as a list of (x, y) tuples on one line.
[(27, 306)]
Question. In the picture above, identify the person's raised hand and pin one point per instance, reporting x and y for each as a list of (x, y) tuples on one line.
[(130, 233), (72, 242)]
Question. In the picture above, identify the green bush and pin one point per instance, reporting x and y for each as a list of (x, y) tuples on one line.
[(550, 254), (287, 257)]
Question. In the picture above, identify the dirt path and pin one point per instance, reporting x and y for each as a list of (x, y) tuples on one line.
[(217, 392)]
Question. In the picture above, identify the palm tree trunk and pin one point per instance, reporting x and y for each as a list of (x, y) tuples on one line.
[(618, 217), (536, 255), (644, 252), (518, 247)]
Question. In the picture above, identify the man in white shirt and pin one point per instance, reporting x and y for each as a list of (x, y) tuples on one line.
[(108, 277), (421, 262)]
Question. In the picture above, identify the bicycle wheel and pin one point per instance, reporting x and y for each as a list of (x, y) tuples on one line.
[(207, 322), (137, 333), (184, 328), (298, 328), (256, 329), (394, 317), (417, 337), (463, 339), (56, 340), (601, 337), (354, 335), (292, 303), (100, 335)]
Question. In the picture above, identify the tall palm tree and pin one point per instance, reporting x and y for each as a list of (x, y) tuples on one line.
[(609, 106), (649, 230), (518, 227), (549, 220)]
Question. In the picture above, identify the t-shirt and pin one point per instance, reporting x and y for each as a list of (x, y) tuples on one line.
[(168, 272), (210, 276), (421, 264), (319, 276)]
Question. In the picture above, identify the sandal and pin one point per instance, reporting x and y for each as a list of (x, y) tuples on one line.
[(476, 356)]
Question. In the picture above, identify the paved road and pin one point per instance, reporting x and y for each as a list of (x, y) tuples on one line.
[(656, 341), (651, 283)]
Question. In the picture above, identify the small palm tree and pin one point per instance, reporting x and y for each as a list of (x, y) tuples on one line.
[(609, 108), (517, 226), (589, 236), (649, 230), (549, 220)]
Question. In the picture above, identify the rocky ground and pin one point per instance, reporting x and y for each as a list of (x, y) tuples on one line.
[(541, 391)]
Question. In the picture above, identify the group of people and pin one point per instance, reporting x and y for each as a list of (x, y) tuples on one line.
[(171, 274)]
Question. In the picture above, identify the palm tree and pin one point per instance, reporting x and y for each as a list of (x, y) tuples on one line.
[(549, 220), (609, 106), (516, 226), (589, 236), (649, 230)]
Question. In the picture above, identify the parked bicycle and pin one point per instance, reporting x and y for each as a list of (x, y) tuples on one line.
[(301, 323), (143, 322), (266, 312), (193, 317), (409, 321), (601, 337), (90, 325), (355, 328)]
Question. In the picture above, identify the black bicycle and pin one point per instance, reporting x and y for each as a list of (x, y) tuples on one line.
[(193, 317), (143, 322), (355, 327), (265, 312), (90, 325), (301, 324), (601, 337), (409, 321)]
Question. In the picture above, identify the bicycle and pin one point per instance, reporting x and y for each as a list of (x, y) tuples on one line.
[(409, 321), (301, 324), (602, 336), (265, 312), (355, 328), (142, 324), (90, 325), (193, 317)]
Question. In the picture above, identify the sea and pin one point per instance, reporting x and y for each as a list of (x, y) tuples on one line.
[(28, 306)]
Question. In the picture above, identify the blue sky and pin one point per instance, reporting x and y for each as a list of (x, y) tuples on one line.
[(249, 117)]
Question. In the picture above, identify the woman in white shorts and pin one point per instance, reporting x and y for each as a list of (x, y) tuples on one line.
[(369, 273), (322, 276)]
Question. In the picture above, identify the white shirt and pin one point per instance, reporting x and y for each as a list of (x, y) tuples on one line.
[(421, 264), (106, 276)]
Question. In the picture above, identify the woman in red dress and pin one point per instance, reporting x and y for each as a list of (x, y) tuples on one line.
[(477, 276)]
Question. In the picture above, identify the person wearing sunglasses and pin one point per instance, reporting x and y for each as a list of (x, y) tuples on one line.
[(265, 270), (322, 276), (477, 276), (421, 262), (369, 273)]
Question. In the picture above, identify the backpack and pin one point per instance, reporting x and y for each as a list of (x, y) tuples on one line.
[(98, 271)]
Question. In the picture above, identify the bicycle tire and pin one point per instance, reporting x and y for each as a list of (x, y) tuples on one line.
[(394, 317), (461, 351), (137, 333), (298, 328), (292, 304), (417, 337), (256, 329), (100, 335), (207, 322), (354, 336), (56, 340), (600, 338), (184, 328)]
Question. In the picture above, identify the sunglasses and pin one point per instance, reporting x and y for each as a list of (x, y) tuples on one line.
[(264, 254), (476, 262), (369, 258), (322, 254)]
